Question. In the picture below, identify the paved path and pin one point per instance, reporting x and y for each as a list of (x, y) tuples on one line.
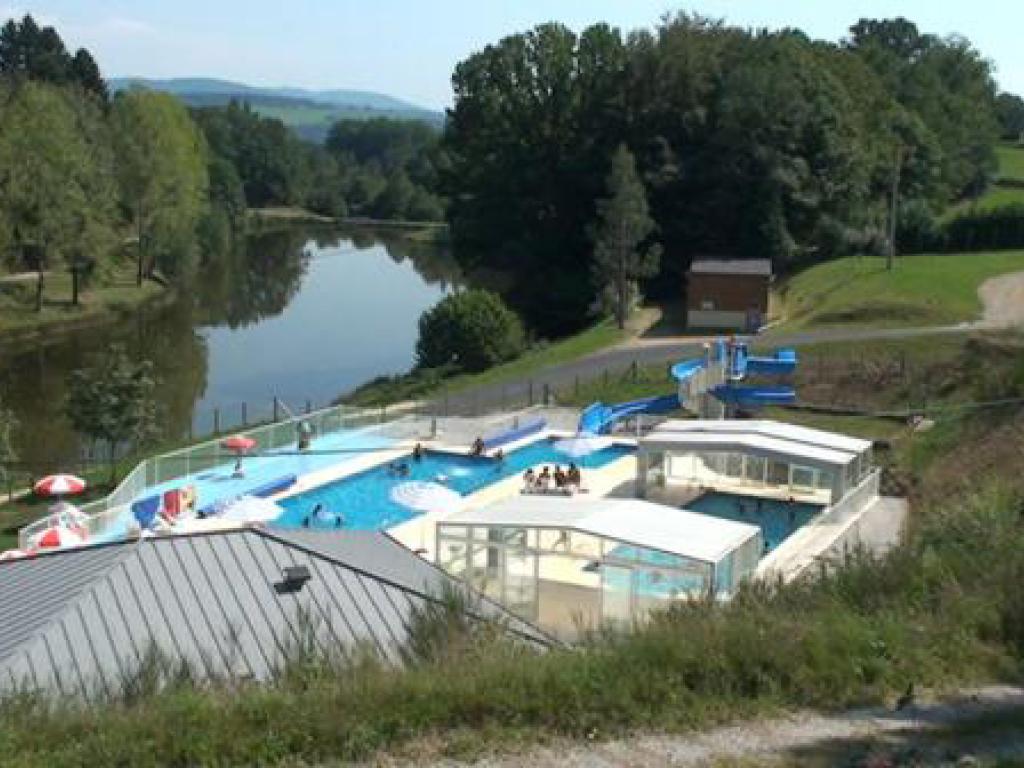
[(1002, 298), (922, 729)]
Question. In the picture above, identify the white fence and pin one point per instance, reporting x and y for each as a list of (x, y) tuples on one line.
[(100, 516)]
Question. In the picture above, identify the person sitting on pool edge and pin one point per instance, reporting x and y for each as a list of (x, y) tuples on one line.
[(544, 479), (560, 477), (529, 480), (417, 452), (238, 471), (573, 478), (478, 447)]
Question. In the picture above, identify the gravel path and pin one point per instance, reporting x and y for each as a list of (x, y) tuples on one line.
[(810, 736), (1003, 298)]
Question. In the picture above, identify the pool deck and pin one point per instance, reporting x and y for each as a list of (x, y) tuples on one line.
[(418, 534)]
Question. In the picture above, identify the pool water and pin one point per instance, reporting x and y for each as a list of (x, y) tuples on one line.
[(364, 499), (776, 518)]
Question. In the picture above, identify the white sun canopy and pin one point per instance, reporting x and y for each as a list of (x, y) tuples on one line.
[(776, 429)]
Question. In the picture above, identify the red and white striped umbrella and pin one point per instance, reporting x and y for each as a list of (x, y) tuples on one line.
[(57, 537), (239, 443), (59, 485), (14, 554)]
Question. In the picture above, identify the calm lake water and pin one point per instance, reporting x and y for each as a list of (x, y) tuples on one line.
[(300, 315)]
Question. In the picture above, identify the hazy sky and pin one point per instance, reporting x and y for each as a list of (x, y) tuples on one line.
[(408, 48)]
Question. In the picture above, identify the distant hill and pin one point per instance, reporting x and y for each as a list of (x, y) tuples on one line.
[(309, 112)]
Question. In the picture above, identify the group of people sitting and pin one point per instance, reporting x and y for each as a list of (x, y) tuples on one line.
[(567, 481)]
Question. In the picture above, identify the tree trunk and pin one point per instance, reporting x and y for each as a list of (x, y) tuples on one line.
[(74, 285), (138, 234), (621, 290), (113, 463), (39, 288)]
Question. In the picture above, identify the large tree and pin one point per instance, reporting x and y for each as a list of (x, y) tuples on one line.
[(623, 253), (56, 191), (28, 51), (162, 174), (113, 402)]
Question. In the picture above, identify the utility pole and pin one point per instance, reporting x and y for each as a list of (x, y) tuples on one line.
[(893, 205)]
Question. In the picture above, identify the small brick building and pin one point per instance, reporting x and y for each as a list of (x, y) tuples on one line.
[(728, 294)]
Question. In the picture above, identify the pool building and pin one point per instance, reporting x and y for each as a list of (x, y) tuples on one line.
[(572, 564), (691, 509)]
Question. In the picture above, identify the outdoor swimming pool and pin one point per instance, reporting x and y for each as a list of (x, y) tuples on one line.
[(364, 499), (776, 518)]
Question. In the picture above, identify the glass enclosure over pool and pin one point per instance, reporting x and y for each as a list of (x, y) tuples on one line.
[(777, 519), (364, 501)]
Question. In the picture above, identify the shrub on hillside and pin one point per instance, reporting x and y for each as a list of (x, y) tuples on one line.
[(472, 330)]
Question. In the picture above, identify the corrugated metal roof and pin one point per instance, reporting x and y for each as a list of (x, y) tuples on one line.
[(85, 621), (732, 267)]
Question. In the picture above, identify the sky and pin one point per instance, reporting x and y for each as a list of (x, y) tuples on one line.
[(408, 48)]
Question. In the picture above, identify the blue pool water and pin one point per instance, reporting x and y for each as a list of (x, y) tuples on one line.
[(364, 499), (219, 483), (777, 519)]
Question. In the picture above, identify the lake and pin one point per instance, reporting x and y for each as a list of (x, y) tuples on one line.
[(301, 315)]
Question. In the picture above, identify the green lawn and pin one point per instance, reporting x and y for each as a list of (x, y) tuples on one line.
[(1011, 162), (117, 293), (925, 289), (413, 386)]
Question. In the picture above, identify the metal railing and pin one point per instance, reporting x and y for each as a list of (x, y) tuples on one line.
[(99, 516)]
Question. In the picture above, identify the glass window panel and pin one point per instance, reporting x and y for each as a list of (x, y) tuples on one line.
[(616, 587), (778, 473), (803, 478), (734, 465), (754, 470)]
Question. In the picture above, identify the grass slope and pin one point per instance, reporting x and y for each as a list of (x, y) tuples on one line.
[(1011, 162), (925, 289), (1008, 188)]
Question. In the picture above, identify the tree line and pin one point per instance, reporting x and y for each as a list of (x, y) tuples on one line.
[(749, 143), (86, 176)]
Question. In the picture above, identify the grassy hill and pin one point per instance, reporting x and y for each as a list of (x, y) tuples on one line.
[(925, 289), (1008, 187), (309, 112)]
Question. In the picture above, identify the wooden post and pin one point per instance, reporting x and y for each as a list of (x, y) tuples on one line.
[(276, 408)]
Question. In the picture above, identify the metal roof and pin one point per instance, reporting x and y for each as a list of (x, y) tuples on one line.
[(632, 521), (761, 267), (797, 434), (84, 621)]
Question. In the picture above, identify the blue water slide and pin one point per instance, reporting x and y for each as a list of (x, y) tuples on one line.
[(754, 397), (687, 369), (598, 418), (782, 363)]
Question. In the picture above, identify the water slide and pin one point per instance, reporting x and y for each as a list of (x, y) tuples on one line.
[(754, 397), (599, 418), (782, 363)]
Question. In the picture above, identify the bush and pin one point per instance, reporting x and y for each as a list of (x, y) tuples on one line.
[(472, 330)]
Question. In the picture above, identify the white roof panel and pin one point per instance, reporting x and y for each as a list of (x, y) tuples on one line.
[(778, 429), (770, 447), (642, 523)]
